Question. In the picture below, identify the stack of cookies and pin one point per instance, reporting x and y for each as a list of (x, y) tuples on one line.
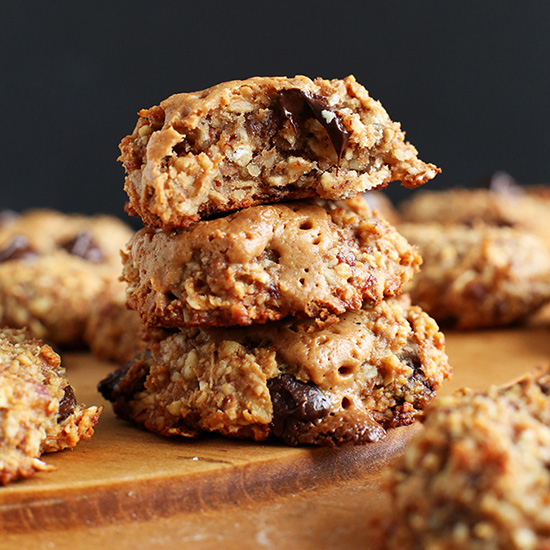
[(271, 291)]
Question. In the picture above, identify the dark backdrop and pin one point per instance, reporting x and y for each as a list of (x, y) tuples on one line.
[(469, 81)]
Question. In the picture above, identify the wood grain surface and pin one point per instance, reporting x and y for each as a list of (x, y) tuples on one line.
[(126, 486)]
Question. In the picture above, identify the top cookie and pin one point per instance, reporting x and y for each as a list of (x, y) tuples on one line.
[(262, 140)]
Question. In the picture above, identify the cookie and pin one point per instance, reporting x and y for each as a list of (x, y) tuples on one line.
[(347, 382), (97, 239), (113, 332), (504, 205), (478, 277), (258, 141), (303, 258), (478, 475), (38, 409), (53, 266)]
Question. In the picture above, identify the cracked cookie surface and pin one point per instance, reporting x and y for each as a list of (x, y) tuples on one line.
[(38, 409), (262, 140), (346, 382)]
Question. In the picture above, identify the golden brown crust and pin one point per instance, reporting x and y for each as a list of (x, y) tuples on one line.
[(478, 277), (38, 409), (345, 382), (232, 146), (309, 259), (477, 476)]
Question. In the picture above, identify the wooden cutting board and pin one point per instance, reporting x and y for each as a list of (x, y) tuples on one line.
[(126, 486)]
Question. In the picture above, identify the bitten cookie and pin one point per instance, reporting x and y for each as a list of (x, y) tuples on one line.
[(304, 258), (38, 408), (478, 277), (477, 477), (294, 380), (53, 266), (262, 140)]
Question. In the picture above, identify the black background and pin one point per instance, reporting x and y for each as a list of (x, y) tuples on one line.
[(469, 81)]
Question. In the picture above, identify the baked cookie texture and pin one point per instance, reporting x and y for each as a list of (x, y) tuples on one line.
[(262, 140), (302, 258), (53, 267), (94, 238), (505, 205), (295, 380), (113, 332), (478, 277), (478, 475), (38, 409)]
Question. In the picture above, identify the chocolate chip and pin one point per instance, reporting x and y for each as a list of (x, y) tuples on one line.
[(476, 290), (84, 246), (424, 391), (295, 401), (271, 255), (66, 405), (410, 357), (108, 387), (18, 248), (297, 106), (122, 385)]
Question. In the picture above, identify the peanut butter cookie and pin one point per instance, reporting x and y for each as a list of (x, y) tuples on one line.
[(294, 380), (477, 477), (503, 205), (304, 258), (53, 266), (474, 277), (262, 140), (38, 408)]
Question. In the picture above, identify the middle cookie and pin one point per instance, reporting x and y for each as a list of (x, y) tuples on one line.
[(307, 259)]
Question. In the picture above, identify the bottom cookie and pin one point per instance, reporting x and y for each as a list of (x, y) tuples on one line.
[(294, 380), (38, 408)]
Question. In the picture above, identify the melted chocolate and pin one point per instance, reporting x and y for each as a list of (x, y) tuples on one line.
[(297, 106), (84, 246), (66, 405), (17, 249), (295, 401)]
